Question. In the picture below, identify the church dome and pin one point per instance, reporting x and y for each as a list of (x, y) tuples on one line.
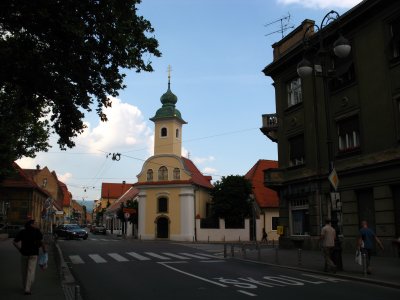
[(168, 98)]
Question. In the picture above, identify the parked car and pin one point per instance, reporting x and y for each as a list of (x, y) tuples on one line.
[(71, 231), (99, 229), (12, 230)]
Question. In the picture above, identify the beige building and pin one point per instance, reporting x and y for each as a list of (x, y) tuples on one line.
[(172, 191)]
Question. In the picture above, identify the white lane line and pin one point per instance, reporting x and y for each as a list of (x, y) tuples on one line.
[(118, 257), (212, 261), (192, 275), (195, 256), (76, 259), (97, 258), (137, 256), (157, 256), (209, 255), (176, 255), (247, 293)]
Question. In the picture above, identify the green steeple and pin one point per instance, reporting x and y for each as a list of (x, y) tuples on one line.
[(168, 110)]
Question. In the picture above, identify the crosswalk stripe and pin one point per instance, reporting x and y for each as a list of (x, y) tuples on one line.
[(117, 257), (208, 255), (176, 255), (157, 256), (76, 259), (97, 258), (137, 256), (194, 255)]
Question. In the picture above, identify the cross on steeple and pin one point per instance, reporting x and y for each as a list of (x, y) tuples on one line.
[(169, 75)]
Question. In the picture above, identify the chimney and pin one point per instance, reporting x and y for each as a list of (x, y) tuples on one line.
[(37, 167)]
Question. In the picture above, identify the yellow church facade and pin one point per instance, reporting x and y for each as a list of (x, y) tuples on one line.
[(172, 191)]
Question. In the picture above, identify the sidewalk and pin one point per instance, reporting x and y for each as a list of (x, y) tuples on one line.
[(47, 283), (385, 270)]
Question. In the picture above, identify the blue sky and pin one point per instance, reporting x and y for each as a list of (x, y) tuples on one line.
[(217, 50)]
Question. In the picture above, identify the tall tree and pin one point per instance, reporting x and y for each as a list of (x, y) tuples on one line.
[(58, 58), (231, 199)]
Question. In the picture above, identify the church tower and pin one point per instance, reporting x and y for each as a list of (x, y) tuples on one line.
[(168, 124)]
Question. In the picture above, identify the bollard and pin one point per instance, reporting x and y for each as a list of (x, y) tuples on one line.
[(232, 250), (225, 250), (77, 292), (259, 253), (243, 251), (208, 239), (277, 255), (364, 264), (299, 257), (273, 243)]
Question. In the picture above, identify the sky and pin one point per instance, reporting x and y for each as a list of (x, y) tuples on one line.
[(217, 50)]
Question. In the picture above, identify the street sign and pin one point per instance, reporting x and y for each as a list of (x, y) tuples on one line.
[(334, 179), (127, 215)]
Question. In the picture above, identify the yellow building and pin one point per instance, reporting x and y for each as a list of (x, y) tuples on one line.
[(172, 191)]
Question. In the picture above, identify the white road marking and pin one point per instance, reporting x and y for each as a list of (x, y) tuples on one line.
[(76, 259), (97, 258), (192, 275), (176, 255), (247, 293), (212, 261), (157, 256), (195, 256), (118, 257), (137, 256), (209, 255)]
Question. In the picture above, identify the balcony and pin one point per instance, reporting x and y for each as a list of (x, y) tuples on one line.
[(273, 178), (270, 126)]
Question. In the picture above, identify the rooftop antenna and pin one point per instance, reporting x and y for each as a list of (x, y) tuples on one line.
[(284, 25)]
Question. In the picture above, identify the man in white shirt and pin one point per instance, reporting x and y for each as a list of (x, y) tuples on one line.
[(328, 236)]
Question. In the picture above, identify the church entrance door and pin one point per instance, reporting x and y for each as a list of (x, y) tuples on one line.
[(162, 228)]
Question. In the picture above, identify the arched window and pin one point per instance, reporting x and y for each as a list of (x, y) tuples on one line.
[(162, 205), (163, 173), (164, 132), (149, 175), (177, 133), (177, 173)]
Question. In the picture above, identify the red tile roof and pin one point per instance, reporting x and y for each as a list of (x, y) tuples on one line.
[(264, 196), (197, 177), (67, 196), (114, 190), (130, 194)]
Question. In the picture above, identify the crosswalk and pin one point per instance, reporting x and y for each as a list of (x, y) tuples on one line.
[(145, 256)]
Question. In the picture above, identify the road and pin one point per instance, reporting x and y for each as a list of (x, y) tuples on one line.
[(111, 268)]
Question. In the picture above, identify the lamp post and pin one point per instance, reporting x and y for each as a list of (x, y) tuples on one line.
[(316, 63)]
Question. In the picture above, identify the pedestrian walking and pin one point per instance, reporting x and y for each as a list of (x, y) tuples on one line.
[(365, 243), (28, 241), (264, 236), (328, 236)]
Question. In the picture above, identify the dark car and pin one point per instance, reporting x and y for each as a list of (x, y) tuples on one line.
[(71, 231), (12, 230), (99, 229)]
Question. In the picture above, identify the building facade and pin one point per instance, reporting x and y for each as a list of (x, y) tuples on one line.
[(338, 130), (172, 191)]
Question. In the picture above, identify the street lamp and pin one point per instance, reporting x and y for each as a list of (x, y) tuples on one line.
[(316, 62)]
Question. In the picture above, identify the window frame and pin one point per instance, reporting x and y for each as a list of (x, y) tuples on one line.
[(294, 92), (299, 205), (177, 174), (163, 173), (150, 175), (164, 132), (348, 140), (295, 161), (162, 205)]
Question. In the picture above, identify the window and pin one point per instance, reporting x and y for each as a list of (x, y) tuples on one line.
[(177, 133), (149, 175), (300, 220), (344, 73), (395, 38), (348, 134), (164, 132), (294, 92), (296, 148), (163, 173), (275, 223), (162, 205), (177, 173)]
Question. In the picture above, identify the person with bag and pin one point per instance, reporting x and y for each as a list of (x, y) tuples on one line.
[(365, 242), (28, 241)]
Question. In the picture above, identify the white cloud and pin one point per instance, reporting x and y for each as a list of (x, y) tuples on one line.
[(202, 160), (209, 171), (64, 177), (322, 3), (124, 129)]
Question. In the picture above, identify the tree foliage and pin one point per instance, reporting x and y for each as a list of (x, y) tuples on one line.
[(59, 58), (231, 199)]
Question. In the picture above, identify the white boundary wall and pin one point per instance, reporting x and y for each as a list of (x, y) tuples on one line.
[(222, 234)]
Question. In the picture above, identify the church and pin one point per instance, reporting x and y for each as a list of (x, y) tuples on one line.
[(173, 193)]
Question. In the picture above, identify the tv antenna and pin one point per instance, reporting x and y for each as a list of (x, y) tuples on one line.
[(284, 25)]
